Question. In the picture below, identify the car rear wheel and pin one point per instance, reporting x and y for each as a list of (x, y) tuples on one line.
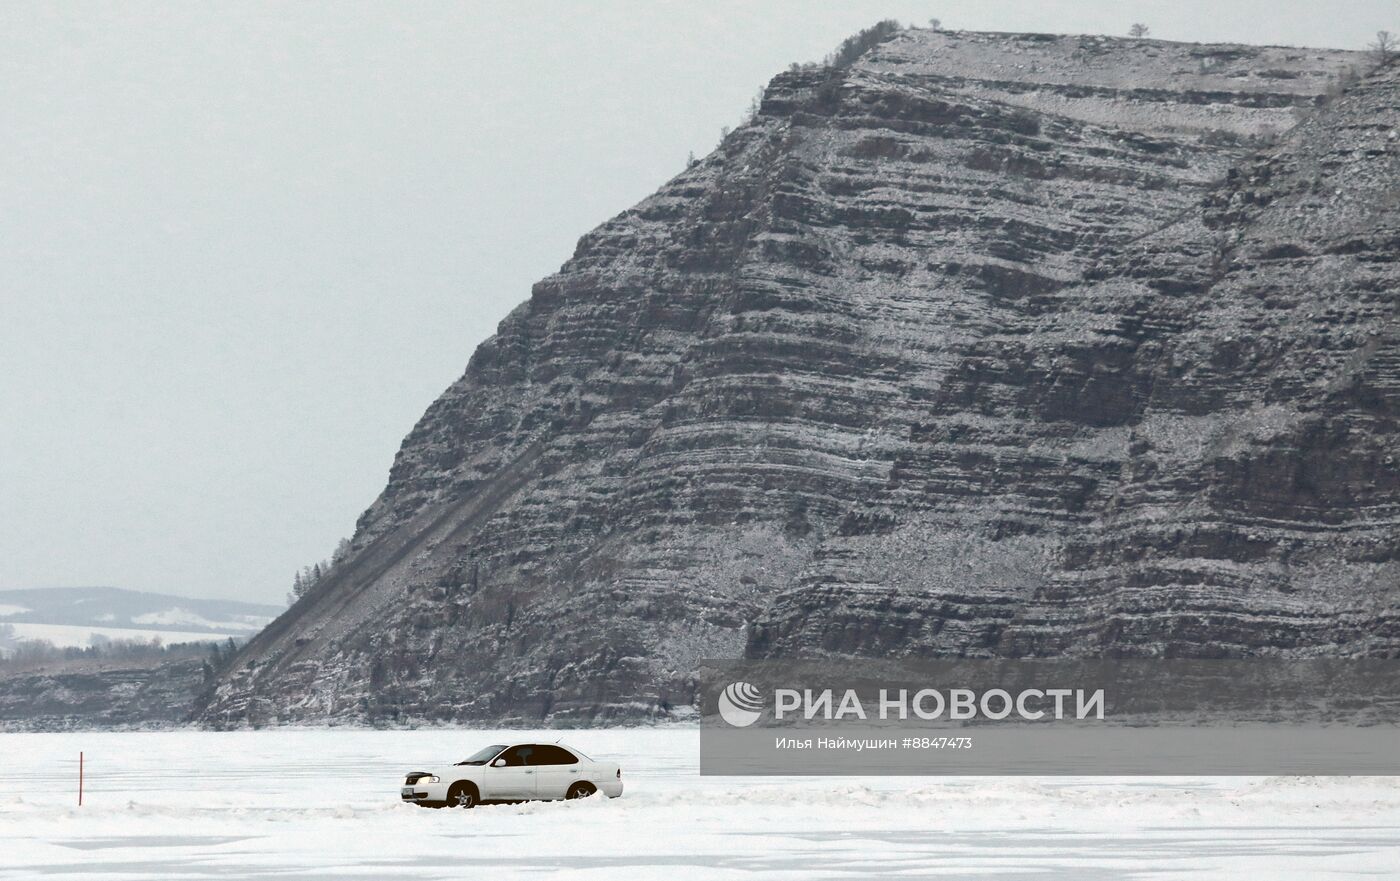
[(582, 789), (462, 795)]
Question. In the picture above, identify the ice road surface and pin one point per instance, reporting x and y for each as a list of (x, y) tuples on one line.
[(307, 804)]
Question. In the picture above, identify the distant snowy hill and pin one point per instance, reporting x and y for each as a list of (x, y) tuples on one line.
[(72, 616)]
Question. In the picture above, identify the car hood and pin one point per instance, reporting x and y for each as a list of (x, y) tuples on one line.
[(459, 771)]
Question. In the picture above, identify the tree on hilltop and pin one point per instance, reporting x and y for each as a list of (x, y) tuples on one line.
[(1383, 47)]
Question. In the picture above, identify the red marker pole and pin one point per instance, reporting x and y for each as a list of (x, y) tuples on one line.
[(80, 778)]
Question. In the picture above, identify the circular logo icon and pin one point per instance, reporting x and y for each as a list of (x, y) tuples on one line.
[(740, 704)]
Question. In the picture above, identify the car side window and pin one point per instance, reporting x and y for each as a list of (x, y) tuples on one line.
[(548, 754), (518, 756)]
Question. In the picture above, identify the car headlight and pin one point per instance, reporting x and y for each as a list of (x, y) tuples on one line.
[(428, 779)]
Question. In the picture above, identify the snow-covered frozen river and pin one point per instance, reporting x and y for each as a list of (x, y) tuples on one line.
[(304, 804)]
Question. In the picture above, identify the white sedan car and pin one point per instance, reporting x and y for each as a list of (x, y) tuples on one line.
[(506, 772)]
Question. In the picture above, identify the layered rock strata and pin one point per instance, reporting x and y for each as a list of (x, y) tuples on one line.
[(989, 344)]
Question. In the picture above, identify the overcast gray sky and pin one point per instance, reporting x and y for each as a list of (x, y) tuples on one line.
[(244, 245)]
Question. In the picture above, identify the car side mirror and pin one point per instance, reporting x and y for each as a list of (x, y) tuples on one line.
[(499, 763)]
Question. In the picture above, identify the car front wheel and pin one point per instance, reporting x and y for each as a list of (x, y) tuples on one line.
[(462, 795)]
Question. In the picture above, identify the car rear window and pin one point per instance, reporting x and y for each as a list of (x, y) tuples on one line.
[(549, 754)]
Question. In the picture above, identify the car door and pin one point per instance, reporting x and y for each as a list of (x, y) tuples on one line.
[(515, 779), (556, 770)]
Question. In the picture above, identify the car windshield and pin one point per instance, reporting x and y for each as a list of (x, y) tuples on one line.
[(483, 756)]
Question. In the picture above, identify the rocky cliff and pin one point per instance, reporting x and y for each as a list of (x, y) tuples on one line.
[(987, 344), (62, 696)]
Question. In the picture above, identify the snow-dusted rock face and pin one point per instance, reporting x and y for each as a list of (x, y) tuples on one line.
[(64, 696), (990, 344)]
